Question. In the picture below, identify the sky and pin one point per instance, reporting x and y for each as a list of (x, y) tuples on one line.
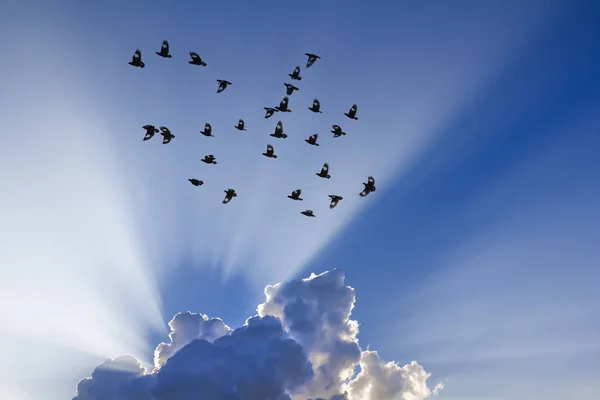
[(476, 257)]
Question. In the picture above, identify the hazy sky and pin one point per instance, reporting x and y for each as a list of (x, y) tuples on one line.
[(477, 256)]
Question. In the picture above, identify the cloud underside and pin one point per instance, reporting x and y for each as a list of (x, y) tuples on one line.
[(301, 344)]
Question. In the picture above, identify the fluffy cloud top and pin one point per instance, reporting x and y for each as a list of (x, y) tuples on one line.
[(301, 345)]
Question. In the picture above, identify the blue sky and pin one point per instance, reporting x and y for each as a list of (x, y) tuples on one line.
[(476, 256)]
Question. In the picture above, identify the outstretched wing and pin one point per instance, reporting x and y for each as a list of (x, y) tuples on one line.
[(279, 128), (371, 181), (325, 169), (207, 128), (336, 128), (227, 198), (316, 136), (137, 55), (297, 70), (241, 123), (165, 131), (316, 104), (194, 56), (165, 46), (283, 104), (353, 109), (270, 150)]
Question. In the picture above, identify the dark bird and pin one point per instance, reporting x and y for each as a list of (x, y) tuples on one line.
[(222, 85), (240, 125), (312, 139), (296, 74), (196, 59), (296, 195), (352, 112), (308, 213), (150, 131), (167, 135), (283, 105), (209, 159), (229, 194), (316, 106), (324, 171), (337, 131), (369, 187), (335, 199), (164, 50), (279, 131), (311, 59), (289, 88), (207, 130), (196, 182), (270, 152), (269, 112), (136, 60)]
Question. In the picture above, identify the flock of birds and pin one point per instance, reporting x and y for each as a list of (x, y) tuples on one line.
[(337, 131)]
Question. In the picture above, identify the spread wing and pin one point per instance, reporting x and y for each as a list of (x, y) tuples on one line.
[(279, 128), (207, 128), (284, 102), (297, 70), (316, 104), (325, 169), (165, 46), (227, 198), (353, 109), (241, 123), (220, 80), (165, 131), (137, 55), (336, 128), (371, 181), (316, 135), (270, 150), (298, 192), (195, 56)]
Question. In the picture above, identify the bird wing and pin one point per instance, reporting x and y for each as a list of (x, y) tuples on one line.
[(325, 169), (284, 102), (137, 55), (270, 150), (165, 131), (194, 56), (279, 128), (316, 104), (297, 70), (371, 181), (241, 123), (207, 128), (165, 46), (336, 128), (353, 109)]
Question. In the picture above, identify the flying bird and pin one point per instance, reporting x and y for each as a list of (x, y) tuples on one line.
[(222, 85), (150, 131), (270, 152), (296, 74), (167, 135), (136, 60), (312, 139), (311, 59), (283, 105), (308, 213), (196, 59), (296, 195), (316, 106), (337, 131), (209, 159), (324, 171), (196, 182), (164, 50), (335, 199), (352, 112), (240, 125), (269, 112), (207, 130), (229, 194), (279, 131), (369, 187), (289, 88)]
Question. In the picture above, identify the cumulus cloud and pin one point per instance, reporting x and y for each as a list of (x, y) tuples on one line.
[(301, 345)]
